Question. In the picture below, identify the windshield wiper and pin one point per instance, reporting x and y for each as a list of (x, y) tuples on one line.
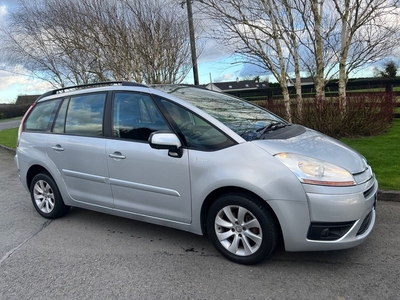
[(271, 127)]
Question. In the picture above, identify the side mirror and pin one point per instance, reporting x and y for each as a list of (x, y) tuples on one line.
[(168, 141)]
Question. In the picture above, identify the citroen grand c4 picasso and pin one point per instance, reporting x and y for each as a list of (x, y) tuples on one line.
[(196, 160)]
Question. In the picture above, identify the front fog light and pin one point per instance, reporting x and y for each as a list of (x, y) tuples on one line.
[(314, 171)]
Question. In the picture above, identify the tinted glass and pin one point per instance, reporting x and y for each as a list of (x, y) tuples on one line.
[(85, 115), (42, 116), (136, 116), (242, 117)]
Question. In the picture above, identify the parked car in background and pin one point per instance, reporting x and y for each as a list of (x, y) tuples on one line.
[(196, 160)]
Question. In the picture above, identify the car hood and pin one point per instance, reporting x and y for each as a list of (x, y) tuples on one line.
[(314, 144)]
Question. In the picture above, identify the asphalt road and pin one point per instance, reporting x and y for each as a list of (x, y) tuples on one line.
[(10, 123), (88, 255)]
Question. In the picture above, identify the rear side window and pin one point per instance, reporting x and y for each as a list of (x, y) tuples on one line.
[(42, 116), (84, 115)]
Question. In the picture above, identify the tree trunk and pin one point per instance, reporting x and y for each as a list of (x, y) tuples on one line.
[(319, 80), (286, 101), (342, 86), (299, 98)]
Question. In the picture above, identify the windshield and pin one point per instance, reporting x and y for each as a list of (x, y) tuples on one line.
[(244, 118)]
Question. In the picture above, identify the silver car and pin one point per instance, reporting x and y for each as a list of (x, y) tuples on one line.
[(195, 160)]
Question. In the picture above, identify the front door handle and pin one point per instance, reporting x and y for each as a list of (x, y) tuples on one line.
[(117, 155), (57, 148)]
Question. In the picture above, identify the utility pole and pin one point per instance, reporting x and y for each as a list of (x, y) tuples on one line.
[(192, 42)]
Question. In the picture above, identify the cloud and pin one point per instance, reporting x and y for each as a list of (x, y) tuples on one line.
[(8, 3), (15, 82), (212, 50), (226, 77), (252, 70), (229, 76), (10, 76), (3, 13)]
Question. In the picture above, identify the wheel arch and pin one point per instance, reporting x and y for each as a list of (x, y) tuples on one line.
[(214, 195), (33, 171)]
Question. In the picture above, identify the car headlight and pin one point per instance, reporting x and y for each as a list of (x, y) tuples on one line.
[(314, 171)]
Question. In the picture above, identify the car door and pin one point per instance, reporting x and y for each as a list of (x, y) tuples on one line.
[(145, 181), (77, 147)]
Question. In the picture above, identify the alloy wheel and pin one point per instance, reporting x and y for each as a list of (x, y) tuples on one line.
[(44, 196), (238, 230)]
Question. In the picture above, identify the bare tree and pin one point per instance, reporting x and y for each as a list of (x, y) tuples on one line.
[(290, 34), (94, 40), (285, 37), (313, 41), (326, 38), (264, 33), (163, 43), (369, 31), (30, 45)]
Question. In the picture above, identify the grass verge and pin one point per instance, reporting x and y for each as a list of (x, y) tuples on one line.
[(383, 155), (8, 137)]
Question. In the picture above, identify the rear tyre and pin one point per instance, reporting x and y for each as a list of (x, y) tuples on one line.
[(46, 197), (241, 229)]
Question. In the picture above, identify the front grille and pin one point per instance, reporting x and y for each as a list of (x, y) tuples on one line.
[(365, 224)]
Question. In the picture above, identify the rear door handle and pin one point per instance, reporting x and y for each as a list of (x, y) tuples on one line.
[(117, 155), (57, 148)]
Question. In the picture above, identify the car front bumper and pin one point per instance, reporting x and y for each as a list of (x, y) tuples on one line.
[(333, 218)]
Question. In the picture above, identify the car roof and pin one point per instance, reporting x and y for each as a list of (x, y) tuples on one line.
[(90, 85)]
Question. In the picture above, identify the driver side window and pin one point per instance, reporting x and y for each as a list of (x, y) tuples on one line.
[(195, 132)]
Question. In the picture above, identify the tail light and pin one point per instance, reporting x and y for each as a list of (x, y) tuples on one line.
[(21, 126)]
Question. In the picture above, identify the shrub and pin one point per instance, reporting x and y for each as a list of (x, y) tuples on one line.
[(365, 114), (11, 110)]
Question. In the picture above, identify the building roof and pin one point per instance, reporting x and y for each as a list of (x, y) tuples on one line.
[(304, 81), (28, 99)]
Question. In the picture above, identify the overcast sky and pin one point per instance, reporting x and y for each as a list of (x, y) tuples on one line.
[(16, 82), (214, 64)]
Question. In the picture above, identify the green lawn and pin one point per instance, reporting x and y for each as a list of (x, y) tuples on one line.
[(8, 137), (383, 154)]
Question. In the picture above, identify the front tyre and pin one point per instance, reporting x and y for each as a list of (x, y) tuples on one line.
[(241, 229), (46, 197)]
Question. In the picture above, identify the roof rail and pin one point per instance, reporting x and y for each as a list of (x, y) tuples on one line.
[(82, 86)]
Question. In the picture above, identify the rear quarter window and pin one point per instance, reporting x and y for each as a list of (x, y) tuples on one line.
[(42, 116)]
